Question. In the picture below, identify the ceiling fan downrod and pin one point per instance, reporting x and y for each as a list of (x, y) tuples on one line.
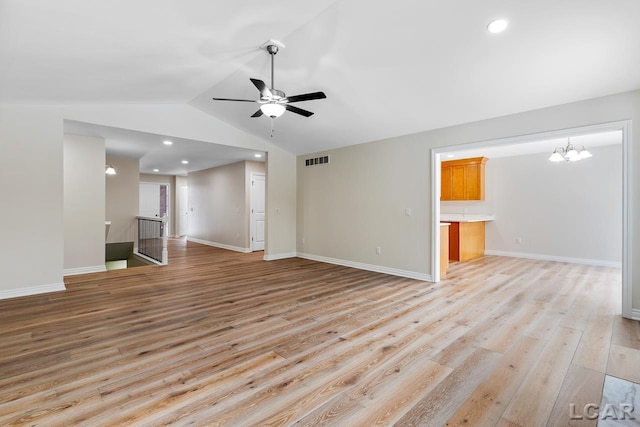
[(272, 49)]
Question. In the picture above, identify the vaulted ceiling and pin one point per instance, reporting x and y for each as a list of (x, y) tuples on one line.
[(387, 68)]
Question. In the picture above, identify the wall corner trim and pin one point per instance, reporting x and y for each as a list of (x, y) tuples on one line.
[(275, 257), (219, 245), (369, 267), (31, 290), (84, 270)]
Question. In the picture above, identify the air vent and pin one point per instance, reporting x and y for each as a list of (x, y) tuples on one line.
[(317, 161)]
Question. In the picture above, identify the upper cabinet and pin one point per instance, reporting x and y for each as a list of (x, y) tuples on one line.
[(463, 179)]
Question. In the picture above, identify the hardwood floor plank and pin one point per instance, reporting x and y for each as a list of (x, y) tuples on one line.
[(443, 401), (624, 362), (593, 350), (534, 400), (488, 402)]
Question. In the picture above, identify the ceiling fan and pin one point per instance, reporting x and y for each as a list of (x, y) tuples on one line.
[(274, 102)]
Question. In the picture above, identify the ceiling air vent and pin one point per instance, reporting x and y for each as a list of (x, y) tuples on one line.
[(317, 161)]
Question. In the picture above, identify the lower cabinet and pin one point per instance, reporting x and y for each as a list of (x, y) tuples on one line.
[(466, 240), (444, 249)]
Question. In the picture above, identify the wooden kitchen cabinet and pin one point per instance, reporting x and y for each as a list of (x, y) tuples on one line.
[(466, 240), (463, 179)]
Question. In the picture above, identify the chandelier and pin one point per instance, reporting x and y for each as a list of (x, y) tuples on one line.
[(570, 153)]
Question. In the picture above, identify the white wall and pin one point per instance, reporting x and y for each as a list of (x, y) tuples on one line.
[(84, 204), (564, 211)]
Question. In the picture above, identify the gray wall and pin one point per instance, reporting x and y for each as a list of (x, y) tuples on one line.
[(122, 191), (84, 204)]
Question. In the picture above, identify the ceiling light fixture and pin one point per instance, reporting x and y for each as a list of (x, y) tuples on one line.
[(569, 153), (167, 142), (185, 162), (156, 170), (109, 170), (273, 109), (257, 155), (497, 26)]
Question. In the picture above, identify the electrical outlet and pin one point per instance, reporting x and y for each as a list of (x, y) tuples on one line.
[(407, 211), (378, 250), (518, 240)]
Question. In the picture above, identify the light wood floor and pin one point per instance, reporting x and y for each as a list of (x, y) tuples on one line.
[(223, 338)]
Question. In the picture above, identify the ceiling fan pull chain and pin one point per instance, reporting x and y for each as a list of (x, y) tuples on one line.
[(272, 127)]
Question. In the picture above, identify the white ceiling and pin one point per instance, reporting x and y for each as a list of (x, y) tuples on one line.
[(388, 68)]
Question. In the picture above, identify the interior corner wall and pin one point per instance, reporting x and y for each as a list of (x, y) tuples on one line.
[(84, 204), (217, 207), (122, 199), (31, 184)]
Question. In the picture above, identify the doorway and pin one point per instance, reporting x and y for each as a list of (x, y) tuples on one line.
[(624, 126)]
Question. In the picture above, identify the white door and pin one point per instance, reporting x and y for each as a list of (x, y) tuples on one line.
[(149, 199), (257, 211), (183, 211)]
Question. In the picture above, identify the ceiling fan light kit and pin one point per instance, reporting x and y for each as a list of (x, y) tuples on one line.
[(275, 102)]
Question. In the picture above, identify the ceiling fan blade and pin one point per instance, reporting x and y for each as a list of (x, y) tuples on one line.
[(298, 110), (306, 97), (262, 87), (257, 113), (233, 99)]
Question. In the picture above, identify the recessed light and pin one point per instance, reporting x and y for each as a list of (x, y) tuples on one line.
[(450, 156), (156, 170), (497, 26), (167, 142), (185, 162), (257, 155)]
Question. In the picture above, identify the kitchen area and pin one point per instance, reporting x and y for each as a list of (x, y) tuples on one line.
[(462, 234)]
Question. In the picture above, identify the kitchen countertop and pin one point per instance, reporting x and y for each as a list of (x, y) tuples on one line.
[(466, 217)]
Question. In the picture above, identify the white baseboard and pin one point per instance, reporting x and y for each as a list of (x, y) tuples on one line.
[(369, 267), (275, 257), (84, 270), (31, 290), (635, 314), (595, 262), (220, 245)]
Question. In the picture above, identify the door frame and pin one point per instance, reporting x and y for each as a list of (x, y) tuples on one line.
[(624, 125)]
